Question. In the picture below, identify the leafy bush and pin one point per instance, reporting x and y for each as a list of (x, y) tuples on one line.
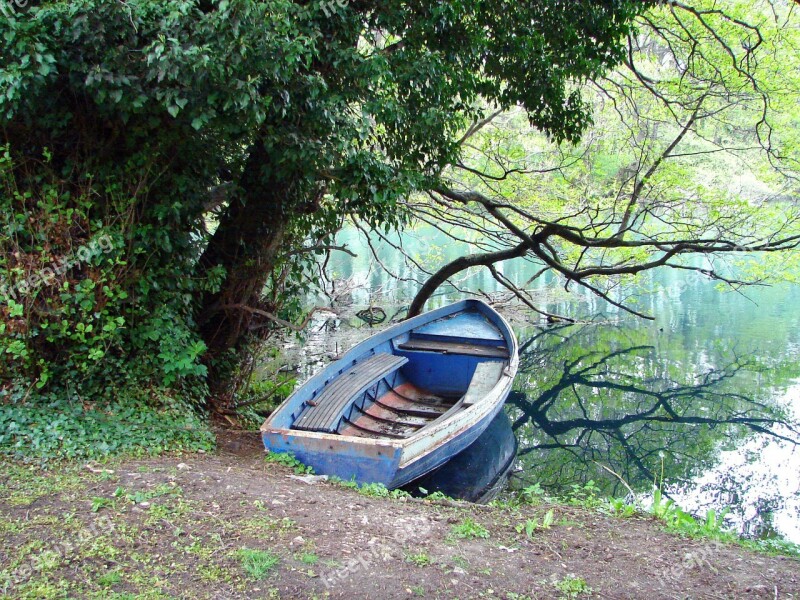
[(468, 528), (76, 307), (287, 459), (57, 427)]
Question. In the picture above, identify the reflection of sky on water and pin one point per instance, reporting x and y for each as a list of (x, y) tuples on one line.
[(762, 477)]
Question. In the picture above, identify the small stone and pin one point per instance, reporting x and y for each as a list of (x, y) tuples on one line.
[(309, 479)]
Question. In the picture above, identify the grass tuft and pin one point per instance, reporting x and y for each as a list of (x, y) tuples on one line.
[(257, 563), (469, 529)]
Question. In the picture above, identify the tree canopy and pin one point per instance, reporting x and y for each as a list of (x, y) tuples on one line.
[(218, 145)]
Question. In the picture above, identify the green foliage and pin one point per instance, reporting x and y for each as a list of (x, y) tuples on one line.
[(468, 528), (374, 490), (694, 138), (572, 587), (437, 495), (530, 526), (72, 313), (258, 564), (712, 526), (709, 526), (772, 546), (421, 559), (139, 496), (271, 391), (532, 494), (619, 507), (109, 579), (83, 370), (434, 496), (261, 392), (351, 484), (287, 459), (62, 427), (118, 119), (99, 503), (586, 495), (307, 558), (678, 520)]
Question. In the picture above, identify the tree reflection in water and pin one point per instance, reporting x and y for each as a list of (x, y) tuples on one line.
[(594, 399)]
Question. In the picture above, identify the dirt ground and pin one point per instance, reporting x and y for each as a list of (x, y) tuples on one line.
[(230, 525)]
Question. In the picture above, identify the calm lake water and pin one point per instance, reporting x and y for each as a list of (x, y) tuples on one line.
[(704, 401)]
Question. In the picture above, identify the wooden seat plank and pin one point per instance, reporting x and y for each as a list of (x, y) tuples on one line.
[(455, 348), (324, 411), (483, 380)]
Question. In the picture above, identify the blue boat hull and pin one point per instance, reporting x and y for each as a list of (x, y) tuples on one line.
[(371, 463)]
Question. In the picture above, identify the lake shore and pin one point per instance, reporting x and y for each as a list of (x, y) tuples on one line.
[(231, 525)]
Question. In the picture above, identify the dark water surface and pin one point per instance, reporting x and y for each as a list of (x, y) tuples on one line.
[(699, 410), (704, 401)]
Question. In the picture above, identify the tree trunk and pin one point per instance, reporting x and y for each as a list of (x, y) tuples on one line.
[(246, 244)]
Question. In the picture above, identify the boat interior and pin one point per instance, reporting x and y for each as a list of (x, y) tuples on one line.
[(410, 382)]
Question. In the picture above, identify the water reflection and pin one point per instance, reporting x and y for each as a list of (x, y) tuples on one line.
[(759, 478), (604, 403)]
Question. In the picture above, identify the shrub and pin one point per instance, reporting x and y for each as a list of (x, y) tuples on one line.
[(57, 427)]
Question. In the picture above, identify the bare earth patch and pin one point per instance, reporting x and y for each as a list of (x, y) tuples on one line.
[(232, 526)]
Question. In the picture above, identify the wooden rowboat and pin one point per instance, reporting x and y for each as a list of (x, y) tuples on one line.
[(404, 401)]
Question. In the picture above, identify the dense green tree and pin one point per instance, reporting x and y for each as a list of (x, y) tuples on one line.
[(218, 145)]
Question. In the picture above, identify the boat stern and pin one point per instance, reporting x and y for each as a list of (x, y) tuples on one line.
[(345, 457)]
